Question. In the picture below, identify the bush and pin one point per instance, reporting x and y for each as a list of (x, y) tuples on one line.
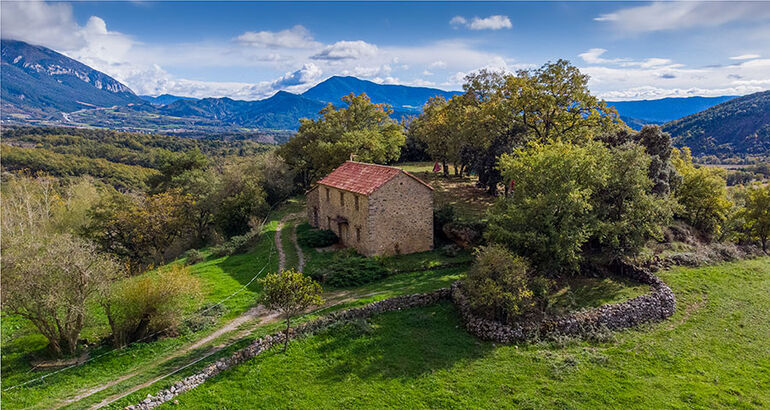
[(236, 244), (317, 238), (351, 271), (194, 256), (139, 307), (500, 287)]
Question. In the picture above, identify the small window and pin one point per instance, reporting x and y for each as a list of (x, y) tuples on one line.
[(358, 233), (355, 201), (329, 222), (342, 199), (328, 198)]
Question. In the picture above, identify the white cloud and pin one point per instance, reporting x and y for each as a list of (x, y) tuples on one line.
[(662, 16), (438, 64), (593, 56), (458, 21), (346, 50), (295, 37), (491, 23), (309, 73), (745, 57), (496, 22)]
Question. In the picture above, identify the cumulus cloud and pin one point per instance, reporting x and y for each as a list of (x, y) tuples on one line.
[(496, 22), (307, 74), (295, 37), (346, 50), (662, 16), (594, 56)]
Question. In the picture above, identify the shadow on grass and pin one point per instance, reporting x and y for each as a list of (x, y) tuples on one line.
[(574, 293), (400, 345)]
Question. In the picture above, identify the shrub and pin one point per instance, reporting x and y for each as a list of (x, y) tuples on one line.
[(500, 287), (139, 307), (236, 244), (194, 256), (317, 238), (351, 271)]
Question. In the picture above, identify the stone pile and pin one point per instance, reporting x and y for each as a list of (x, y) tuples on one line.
[(269, 341)]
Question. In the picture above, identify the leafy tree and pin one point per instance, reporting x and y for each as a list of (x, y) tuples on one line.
[(569, 196), (702, 193), (49, 280), (276, 178), (240, 200), (550, 214), (499, 285), (433, 130), (141, 306), (140, 229), (553, 101), (360, 128), (657, 144), (627, 209), (290, 292), (757, 213), (173, 167)]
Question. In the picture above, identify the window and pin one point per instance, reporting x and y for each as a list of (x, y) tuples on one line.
[(327, 195), (355, 201), (358, 233), (342, 198), (329, 222)]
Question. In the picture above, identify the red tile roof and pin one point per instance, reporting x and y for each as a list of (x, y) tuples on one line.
[(363, 178)]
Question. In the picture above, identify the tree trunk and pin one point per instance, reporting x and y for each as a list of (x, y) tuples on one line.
[(286, 341), (446, 169)]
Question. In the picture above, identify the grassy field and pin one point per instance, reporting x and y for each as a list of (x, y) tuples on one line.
[(714, 352)]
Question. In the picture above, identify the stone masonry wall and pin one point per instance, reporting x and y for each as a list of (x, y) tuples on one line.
[(330, 207), (400, 217), (655, 306)]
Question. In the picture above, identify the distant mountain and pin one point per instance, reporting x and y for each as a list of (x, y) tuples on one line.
[(636, 123), (281, 111), (401, 97), (664, 109), (164, 99), (738, 126), (39, 81)]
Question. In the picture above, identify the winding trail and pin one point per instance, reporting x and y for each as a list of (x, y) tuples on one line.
[(300, 254)]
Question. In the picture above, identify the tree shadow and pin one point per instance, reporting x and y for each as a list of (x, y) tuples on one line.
[(398, 345), (579, 292)]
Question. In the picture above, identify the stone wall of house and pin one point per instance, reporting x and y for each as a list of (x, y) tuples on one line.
[(400, 217), (332, 206), (312, 207), (655, 306), (276, 339)]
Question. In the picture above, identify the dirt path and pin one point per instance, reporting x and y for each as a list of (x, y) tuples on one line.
[(300, 255), (259, 313), (264, 317), (278, 247)]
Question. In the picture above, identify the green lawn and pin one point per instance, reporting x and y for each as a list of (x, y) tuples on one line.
[(714, 352)]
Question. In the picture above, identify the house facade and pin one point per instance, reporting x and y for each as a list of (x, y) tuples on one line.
[(375, 209)]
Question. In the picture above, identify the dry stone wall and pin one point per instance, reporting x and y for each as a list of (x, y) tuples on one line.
[(655, 306)]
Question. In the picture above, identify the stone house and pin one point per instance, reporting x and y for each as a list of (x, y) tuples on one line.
[(375, 209)]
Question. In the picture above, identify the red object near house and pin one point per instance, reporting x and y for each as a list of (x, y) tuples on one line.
[(436, 167)]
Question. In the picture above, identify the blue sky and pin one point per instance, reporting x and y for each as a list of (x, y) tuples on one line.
[(250, 50)]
